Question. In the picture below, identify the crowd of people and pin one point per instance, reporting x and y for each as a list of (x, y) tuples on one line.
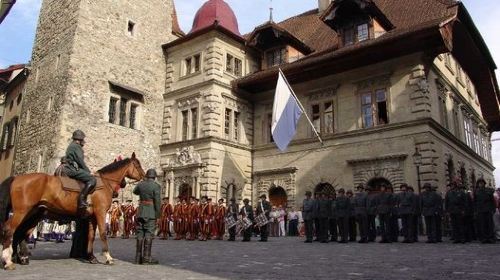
[(342, 216)]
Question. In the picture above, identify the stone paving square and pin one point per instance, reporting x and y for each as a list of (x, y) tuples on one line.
[(280, 258)]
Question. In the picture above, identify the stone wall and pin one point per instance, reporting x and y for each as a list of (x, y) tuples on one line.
[(96, 48)]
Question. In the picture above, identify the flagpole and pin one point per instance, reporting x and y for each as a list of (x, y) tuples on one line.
[(301, 107)]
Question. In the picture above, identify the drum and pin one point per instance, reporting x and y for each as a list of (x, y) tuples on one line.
[(261, 220), (246, 223), (230, 222)]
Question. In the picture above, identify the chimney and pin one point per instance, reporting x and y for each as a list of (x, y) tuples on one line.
[(323, 4)]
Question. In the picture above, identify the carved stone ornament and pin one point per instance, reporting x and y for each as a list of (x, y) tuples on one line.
[(185, 156), (423, 85)]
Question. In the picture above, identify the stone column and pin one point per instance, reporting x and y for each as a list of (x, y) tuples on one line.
[(171, 186)]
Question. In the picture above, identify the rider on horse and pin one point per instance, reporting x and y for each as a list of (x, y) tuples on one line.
[(77, 169)]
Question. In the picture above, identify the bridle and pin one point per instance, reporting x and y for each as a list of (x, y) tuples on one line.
[(118, 182)]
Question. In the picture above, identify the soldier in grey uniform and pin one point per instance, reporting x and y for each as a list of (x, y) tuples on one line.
[(406, 206), (342, 211), (359, 202), (352, 218), (385, 202), (371, 206), (455, 203), (147, 214), (332, 218), (316, 215), (430, 203), (77, 169), (484, 206), (308, 216), (324, 208)]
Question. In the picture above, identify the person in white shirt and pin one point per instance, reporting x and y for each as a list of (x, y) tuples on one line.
[(281, 220), (293, 222)]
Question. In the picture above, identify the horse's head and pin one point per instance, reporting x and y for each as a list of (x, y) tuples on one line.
[(134, 170)]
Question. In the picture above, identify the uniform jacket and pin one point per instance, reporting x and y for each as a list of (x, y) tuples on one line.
[(247, 211), (75, 158), (308, 209), (371, 204), (455, 201), (232, 210), (385, 203), (407, 202), (323, 208), (484, 200), (359, 202), (264, 205), (149, 196), (342, 207), (431, 203)]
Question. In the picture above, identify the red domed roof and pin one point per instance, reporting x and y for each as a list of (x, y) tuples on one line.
[(215, 10)]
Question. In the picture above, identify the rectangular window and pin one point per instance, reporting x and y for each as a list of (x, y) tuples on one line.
[(443, 111), (112, 109), (185, 116), (468, 132), (349, 36), (484, 145), (477, 147), (363, 33), (366, 110), (382, 115), (460, 74), (456, 124), (229, 63), (5, 136), (374, 108), (316, 117), (227, 123), (187, 65), (238, 67), (236, 126), (194, 123), (197, 63), (276, 57), (329, 118), (123, 111), (130, 28), (132, 115)]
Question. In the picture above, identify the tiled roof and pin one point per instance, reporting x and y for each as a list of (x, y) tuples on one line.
[(312, 31), (176, 29)]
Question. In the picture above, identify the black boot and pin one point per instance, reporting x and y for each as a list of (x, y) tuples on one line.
[(148, 243), (82, 198), (138, 251)]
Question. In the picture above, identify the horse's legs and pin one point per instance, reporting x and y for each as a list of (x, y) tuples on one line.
[(10, 229), (101, 224), (90, 245)]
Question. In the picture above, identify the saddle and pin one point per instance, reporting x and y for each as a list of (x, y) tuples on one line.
[(73, 185)]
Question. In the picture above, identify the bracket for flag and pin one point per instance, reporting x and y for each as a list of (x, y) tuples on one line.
[(301, 107)]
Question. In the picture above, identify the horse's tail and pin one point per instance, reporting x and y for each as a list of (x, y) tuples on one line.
[(5, 202)]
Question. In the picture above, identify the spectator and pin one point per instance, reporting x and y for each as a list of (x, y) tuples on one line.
[(274, 222), (281, 221), (496, 217), (293, 222)]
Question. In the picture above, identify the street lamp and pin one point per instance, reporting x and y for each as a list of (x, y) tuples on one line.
[(417, 160)]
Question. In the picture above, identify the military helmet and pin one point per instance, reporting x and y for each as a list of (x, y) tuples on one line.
[(151, 173), (78, 135), (246, 200)]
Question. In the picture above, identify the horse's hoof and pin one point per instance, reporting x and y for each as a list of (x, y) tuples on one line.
[(93, 260), (12, 266), (110, 262), (24, 261)]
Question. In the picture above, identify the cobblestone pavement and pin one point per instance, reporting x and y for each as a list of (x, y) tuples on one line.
[(280, 258)]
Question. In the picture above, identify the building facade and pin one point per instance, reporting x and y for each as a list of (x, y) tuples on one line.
[(387, 90)]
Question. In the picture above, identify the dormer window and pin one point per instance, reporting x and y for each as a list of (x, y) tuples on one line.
[(276, 57), (356, 21), (356, 33)]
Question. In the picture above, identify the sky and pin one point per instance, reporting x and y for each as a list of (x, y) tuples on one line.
[(17, 32)]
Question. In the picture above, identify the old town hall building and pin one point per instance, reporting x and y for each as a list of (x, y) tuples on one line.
[(389, 84)]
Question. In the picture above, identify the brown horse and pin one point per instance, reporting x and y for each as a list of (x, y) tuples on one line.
[(33, 196)]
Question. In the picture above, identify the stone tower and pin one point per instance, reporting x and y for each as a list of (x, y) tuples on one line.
[(97, 66)]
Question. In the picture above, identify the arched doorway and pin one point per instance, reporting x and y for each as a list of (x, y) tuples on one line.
[(325, 188), (376, 182), (185, 192), (278, 196)]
